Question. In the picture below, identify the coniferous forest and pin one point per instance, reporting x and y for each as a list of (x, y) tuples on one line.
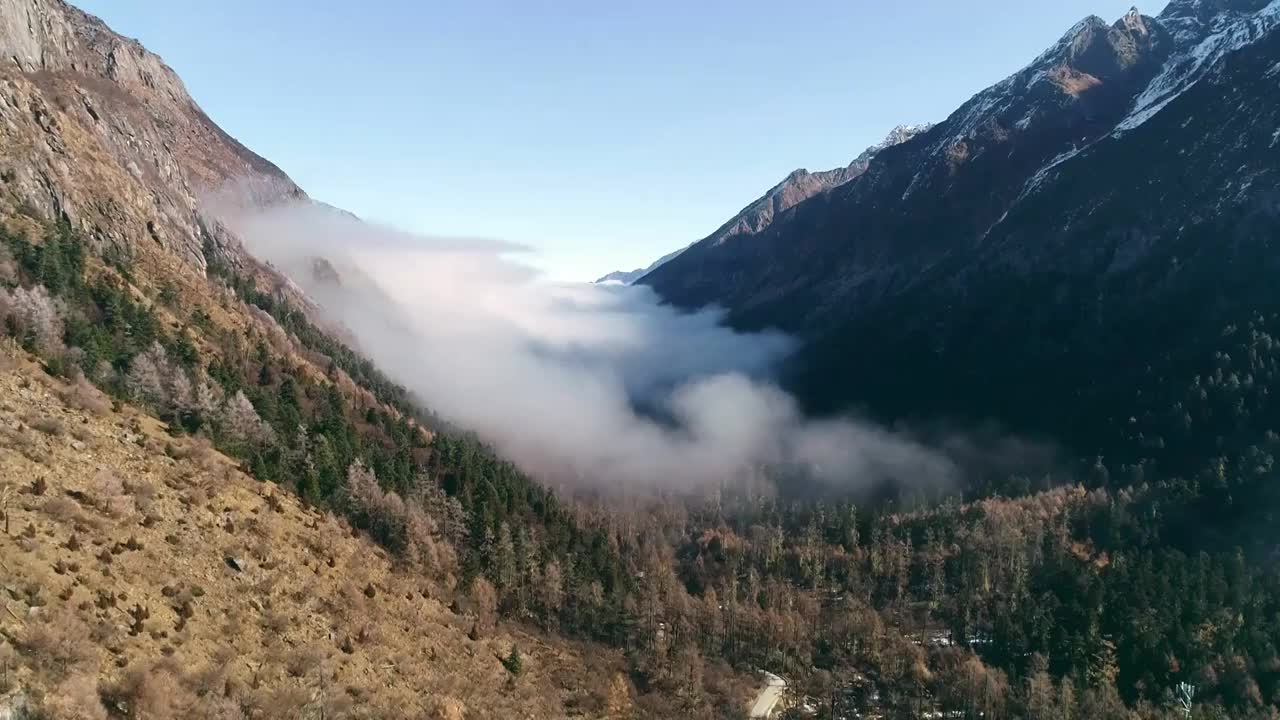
[(1092, 591), (1063, 291)]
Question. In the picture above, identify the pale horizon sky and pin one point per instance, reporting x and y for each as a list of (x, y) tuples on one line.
[(601, 134)]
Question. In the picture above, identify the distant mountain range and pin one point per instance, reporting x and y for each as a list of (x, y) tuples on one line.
[(627, 277), (1052, 255), (797, 187)]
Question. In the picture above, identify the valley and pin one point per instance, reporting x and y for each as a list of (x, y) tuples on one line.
[(1020, 462)]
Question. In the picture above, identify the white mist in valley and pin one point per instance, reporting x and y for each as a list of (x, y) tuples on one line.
[(580, 384)]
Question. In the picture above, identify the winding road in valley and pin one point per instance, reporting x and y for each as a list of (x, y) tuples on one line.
[(769, 697)]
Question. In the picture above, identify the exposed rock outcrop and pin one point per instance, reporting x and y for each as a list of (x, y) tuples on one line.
[(96, 130)]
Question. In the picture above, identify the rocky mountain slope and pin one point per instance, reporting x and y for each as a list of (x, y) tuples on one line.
[(797, 187), (212, 506), (97, 131), (1066, 239)]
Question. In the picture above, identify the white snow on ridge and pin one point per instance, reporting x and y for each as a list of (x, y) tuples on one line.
[(1185, 70), (997, 99), (1199, 45), (1043, 173), (1067, 38)]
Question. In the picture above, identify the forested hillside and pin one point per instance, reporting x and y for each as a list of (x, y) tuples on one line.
[(214, 506), (1083, 254), (1091, 597)]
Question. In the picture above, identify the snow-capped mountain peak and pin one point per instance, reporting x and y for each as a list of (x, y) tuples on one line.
[(1201, 39)]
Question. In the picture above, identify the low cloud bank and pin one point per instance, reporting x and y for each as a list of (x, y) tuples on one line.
[(579, 384)]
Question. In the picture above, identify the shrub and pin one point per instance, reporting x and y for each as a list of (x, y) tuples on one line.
[(446, 708), (143, 493), (288, 701), (197, 450), (211, 678), (19, 438), (76, 698), (82, 395), (276, 622), (48, 425), (61, 508), (152, 692), (108, 495), (82, 433), (304, 660), (58, 644)]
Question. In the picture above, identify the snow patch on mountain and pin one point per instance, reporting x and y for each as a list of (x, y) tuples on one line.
[(997, 100), (1043, 173), (1055, 51), (1002, 94), (1230, 32), (896, 136)]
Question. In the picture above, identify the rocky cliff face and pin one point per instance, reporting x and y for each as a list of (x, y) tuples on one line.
[(96, 130)]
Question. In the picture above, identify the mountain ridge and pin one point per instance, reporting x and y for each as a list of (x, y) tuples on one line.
[(221, 511), (797, 186), (152, 153), (945, 221), (149, 365)]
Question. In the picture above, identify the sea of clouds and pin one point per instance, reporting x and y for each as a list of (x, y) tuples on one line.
[(580, 384)]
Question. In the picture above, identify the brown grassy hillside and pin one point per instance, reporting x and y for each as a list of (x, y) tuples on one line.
[(119, 590)]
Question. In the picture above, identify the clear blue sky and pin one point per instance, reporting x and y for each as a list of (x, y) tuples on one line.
[(604, 133)]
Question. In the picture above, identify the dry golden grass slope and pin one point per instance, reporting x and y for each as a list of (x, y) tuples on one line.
[(120, 599)]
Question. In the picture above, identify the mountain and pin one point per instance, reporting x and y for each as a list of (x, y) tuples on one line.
[(212, 507), (801, 185), (146, 572), (1053, 255), (194, 470), (99, 132), (627, 277), (797, 187)]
